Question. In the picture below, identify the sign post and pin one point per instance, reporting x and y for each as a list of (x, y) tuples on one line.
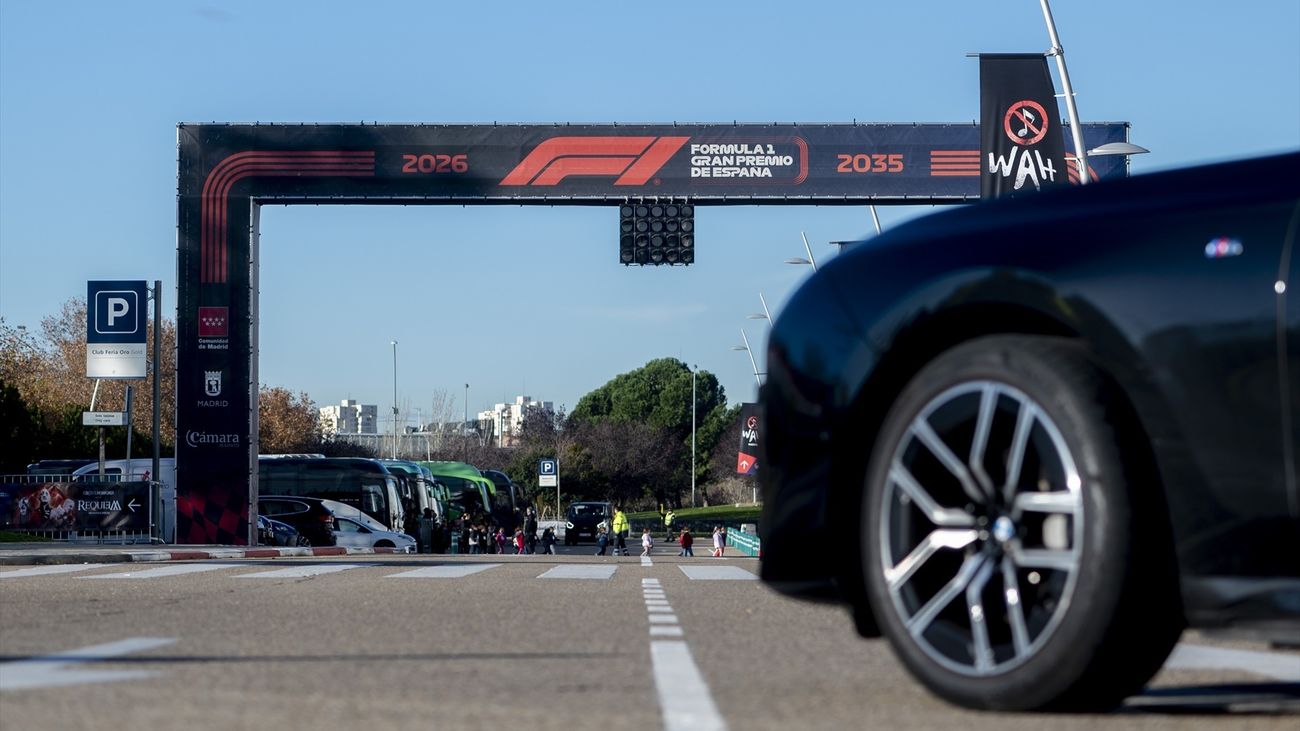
[(548, 475)]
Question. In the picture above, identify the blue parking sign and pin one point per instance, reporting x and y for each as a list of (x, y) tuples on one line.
[(546, 467), (116, 330)]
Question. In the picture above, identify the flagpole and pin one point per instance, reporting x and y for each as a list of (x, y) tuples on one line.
[(1076, 130)]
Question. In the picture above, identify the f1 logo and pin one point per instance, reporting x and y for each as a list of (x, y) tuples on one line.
[(633, 159), (115, 312)]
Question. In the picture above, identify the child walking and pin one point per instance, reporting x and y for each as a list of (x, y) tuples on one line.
[(647, 542), (685, 542), (719, 541)]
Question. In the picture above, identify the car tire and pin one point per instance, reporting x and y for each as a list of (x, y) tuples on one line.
[(1058, 545), (304, 541)]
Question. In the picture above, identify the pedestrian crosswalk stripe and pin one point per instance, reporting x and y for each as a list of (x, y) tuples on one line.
[(580, 571), (159, 572), (450, 571), (42, 570), (717, 573), (662, 618), (664, 631), (660, 610), (300, 572)]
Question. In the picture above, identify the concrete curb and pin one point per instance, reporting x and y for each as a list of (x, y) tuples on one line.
[(66, 556)]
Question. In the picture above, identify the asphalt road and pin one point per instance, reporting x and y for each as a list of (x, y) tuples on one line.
[(534, 642)]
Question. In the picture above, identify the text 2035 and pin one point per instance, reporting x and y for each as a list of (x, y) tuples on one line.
[(869, 163)]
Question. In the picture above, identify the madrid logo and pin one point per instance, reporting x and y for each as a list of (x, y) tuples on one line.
[(212, 383)]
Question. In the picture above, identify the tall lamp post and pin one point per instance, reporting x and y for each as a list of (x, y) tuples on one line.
[(800, 259), (694, 370), (465, 422), (394, 343), (752, 362)]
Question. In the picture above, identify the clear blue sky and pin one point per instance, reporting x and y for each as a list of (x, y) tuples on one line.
[(532, 300)]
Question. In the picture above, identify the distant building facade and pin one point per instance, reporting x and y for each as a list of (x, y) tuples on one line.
[(506, 421), (349, 417)]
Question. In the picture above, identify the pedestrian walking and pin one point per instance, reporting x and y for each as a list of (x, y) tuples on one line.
[(530, 531), (501, 540), (602, 540), (424, 540), (685, 542), (669, 517), (621, 529), (473, 539), (647, 542), (520, 544), (719, 541), (548, 542)]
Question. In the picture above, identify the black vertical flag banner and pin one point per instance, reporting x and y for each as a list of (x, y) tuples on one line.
[(1022, 145), (747, 457)]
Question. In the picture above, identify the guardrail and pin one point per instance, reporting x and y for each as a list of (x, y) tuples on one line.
[(747, 543)]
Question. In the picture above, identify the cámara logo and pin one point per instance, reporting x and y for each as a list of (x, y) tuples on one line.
[(633, 159), (205, 439)]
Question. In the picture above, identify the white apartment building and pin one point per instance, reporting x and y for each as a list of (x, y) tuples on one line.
[(349, 417), (507, 420)]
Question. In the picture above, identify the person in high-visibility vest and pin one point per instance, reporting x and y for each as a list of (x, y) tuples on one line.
[(621, 529), (669, 517)]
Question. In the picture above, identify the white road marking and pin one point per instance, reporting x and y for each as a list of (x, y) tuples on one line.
[(658, 631), (656, 602), (454, 571), (42, 570), (649, 582), (302, 572), (717, 573), (645, 561), (159, 572), (683, 695), (665, 609), (653, 593), (662, 618), (53, 670), (580, 571), (1276, 665)]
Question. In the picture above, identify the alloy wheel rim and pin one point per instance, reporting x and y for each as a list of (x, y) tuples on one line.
[(981, 554)]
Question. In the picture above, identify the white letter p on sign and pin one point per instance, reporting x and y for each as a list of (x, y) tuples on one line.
[(117, 307)]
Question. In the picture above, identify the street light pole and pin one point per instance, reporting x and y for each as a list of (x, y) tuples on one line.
[(694, 368), (394, 343), (464, 443), (1076, 130)]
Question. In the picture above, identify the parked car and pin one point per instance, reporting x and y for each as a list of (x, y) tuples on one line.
[(309, 516), (582, 519), (1031, 440), (353, 533), (271, 532)]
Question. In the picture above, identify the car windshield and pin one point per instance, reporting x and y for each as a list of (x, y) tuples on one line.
[(586, 509)]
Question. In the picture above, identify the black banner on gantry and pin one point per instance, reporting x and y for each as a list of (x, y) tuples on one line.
[(1022, 140)]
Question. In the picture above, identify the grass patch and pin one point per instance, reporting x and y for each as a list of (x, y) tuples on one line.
[(719, 513), (8, 536)]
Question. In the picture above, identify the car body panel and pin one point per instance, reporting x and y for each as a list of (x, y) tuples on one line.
[(1200, 342)]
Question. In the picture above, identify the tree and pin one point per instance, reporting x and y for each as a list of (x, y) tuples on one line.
[(48, 370), (658, 395), (286, 423)]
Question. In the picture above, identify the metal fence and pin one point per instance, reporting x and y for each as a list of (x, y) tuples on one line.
[(90, 509)]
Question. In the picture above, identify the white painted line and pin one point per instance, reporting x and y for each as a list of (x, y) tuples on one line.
[(650, 602), (42, 570), (1276, 665), (658, 631), (225, 553), (649, 594), (662, 618), (52, 670), (454, 571), (660, 610), (302, 572), (717, 573), (580, 571), (683, 695), (649, 582), (160, 571)]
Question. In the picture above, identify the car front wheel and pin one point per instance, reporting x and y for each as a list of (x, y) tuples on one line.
[(1001, 527)]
